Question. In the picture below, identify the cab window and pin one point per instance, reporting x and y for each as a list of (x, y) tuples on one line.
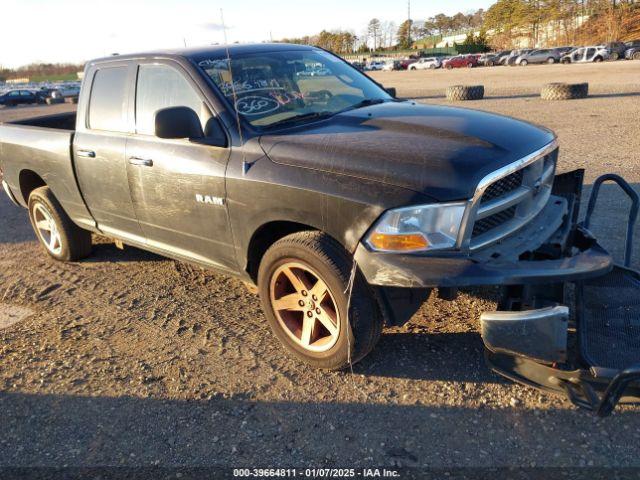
[(161, 86), (108, 102)]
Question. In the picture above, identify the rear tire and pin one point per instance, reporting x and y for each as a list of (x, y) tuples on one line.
[(291, 268), (61, 238), (636, 56), (551, 61), (615, 56), (524, 63)]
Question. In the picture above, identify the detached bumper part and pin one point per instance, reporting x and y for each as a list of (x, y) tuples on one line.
[(537, 334), (604, 367)]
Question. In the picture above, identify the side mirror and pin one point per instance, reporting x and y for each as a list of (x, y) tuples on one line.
[(392, 91), (178, 122)]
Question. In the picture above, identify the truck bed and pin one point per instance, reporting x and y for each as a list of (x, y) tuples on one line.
[(38, 151), (59, 121)]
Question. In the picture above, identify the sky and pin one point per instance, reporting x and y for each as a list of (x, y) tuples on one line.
[(78, 30)]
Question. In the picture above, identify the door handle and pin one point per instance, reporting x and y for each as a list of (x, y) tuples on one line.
[(141, 162), (86, 153)]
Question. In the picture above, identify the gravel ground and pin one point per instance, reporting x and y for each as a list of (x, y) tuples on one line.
[(131, 359)]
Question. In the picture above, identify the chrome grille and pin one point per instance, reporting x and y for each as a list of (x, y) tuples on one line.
[(511, 197), (489, 223), (503, 186)]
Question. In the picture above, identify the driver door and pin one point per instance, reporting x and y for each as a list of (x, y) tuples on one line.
[(178, 186)]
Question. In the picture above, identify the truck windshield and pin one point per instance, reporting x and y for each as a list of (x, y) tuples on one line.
[(286, 87)]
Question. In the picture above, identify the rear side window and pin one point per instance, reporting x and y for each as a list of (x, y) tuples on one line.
[(108, 103), (160, 86)]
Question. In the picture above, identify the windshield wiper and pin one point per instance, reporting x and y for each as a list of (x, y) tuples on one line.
[(301, 117)]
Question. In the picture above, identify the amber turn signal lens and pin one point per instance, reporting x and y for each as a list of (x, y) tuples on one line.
[(399, 243)]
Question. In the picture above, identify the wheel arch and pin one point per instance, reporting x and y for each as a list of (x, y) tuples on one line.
[(266, 235), (28, 180)]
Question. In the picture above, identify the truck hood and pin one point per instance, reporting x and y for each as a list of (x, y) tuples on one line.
[(442, 152)]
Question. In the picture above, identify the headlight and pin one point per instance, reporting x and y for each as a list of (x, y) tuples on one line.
[(417, 229)]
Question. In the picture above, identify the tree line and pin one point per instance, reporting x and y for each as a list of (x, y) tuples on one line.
[(381, 34), (40, 70), (562, 22), (504, 25)]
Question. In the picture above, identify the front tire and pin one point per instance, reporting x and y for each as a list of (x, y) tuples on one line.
[(61, 238), (302, 282)]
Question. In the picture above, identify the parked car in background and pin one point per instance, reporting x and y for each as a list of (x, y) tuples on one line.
[(460, 61), (633, 50), (616, 50), (511, 59), (404, 64), (18, 97), (375, 66), (492, 58), (586, 54), (542, 55), (45, 92), (69, 90), (563, 50), (428, 63), (389, 66)]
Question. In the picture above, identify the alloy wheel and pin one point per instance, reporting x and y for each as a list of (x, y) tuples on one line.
[(305, 307), (47, 229)]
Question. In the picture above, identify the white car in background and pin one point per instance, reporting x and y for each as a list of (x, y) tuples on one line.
[(596, 53), (389, 66), (430, 63), (376, 66)]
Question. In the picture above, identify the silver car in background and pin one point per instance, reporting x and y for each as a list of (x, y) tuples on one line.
[(542, 55)]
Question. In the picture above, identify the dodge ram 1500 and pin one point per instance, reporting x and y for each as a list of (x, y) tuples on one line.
[(343, 206)]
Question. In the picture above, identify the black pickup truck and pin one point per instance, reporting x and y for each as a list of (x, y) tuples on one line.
[(343, 206)]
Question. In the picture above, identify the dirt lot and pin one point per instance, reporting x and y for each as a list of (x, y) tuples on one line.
[(132, 359)]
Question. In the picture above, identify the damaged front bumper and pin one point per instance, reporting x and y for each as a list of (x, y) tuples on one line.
[(550, 248), (406, 271)]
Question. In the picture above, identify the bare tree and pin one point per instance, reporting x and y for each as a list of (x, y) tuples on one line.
[(375, 32)]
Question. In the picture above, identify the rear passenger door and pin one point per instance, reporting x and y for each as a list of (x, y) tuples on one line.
[(178, 186), (99, 151)]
